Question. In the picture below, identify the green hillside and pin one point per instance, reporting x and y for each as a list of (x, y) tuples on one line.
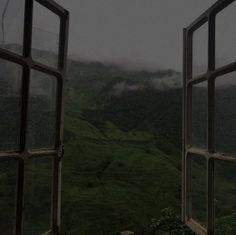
[(123, 136), (117, 174), (113, 180), (122, 164)]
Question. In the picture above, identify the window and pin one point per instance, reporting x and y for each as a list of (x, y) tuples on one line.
[(31, 124), (209, 141)]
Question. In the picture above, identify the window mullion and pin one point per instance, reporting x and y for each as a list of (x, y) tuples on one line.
[(19, 197), (24, 112), (211, 126), (210, 196)]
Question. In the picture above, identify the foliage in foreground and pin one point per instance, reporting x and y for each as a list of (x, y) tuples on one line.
[(169, 224)]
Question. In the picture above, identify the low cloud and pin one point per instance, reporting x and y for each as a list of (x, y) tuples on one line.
[(122, 87), (167, 82), (155, 83)]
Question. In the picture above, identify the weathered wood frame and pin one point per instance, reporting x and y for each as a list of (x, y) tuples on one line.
[(208, 17), (26, 61)]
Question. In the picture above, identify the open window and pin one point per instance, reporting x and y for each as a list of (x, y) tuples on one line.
[(209, 121), (31, 148)]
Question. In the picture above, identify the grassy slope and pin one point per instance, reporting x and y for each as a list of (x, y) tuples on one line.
[(117, 178), (114, 180), (122, 165)]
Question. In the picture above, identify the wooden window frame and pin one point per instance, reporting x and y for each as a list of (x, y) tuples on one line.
[(22, 154), (210, 154)]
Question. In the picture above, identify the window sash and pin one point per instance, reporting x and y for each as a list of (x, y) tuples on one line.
[(57, 151), (208, 17)]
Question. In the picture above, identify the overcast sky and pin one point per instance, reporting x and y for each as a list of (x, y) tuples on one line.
[(136, 33), (145, 33)]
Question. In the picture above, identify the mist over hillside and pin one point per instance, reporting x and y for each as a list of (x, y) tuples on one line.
[(123, 107)]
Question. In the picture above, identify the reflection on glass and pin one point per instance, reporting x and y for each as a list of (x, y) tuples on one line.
[(42, 111), (45, 39), (10, 85), (225, 197), (226, 36), (200, 50), (37, 198), (12, 25), (225, 120), (199, 188), (7, 196), (199, 115)]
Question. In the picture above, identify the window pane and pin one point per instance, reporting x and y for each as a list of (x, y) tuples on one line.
[(42, 111), (10, 85), (199, 188), (12, 25), (45, 38), (8, 178), (225, 122), (225, 197), (37, 198), (226, 36), (200, 50), (199, 115)]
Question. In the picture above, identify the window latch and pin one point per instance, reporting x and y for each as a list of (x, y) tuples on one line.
[(61, 152)]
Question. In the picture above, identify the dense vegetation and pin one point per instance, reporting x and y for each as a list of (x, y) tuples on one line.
[(118, 172)]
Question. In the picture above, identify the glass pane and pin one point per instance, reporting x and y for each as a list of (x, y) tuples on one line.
[(10, 85), (225, 197), (8, 178), (37, 198), (199, 188), (12, 25), (45, 38), (199, 115), (200, 50), (225, 94), (226, 36), (42, 111)]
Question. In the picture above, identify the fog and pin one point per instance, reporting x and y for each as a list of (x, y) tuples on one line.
[(134, 33)]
